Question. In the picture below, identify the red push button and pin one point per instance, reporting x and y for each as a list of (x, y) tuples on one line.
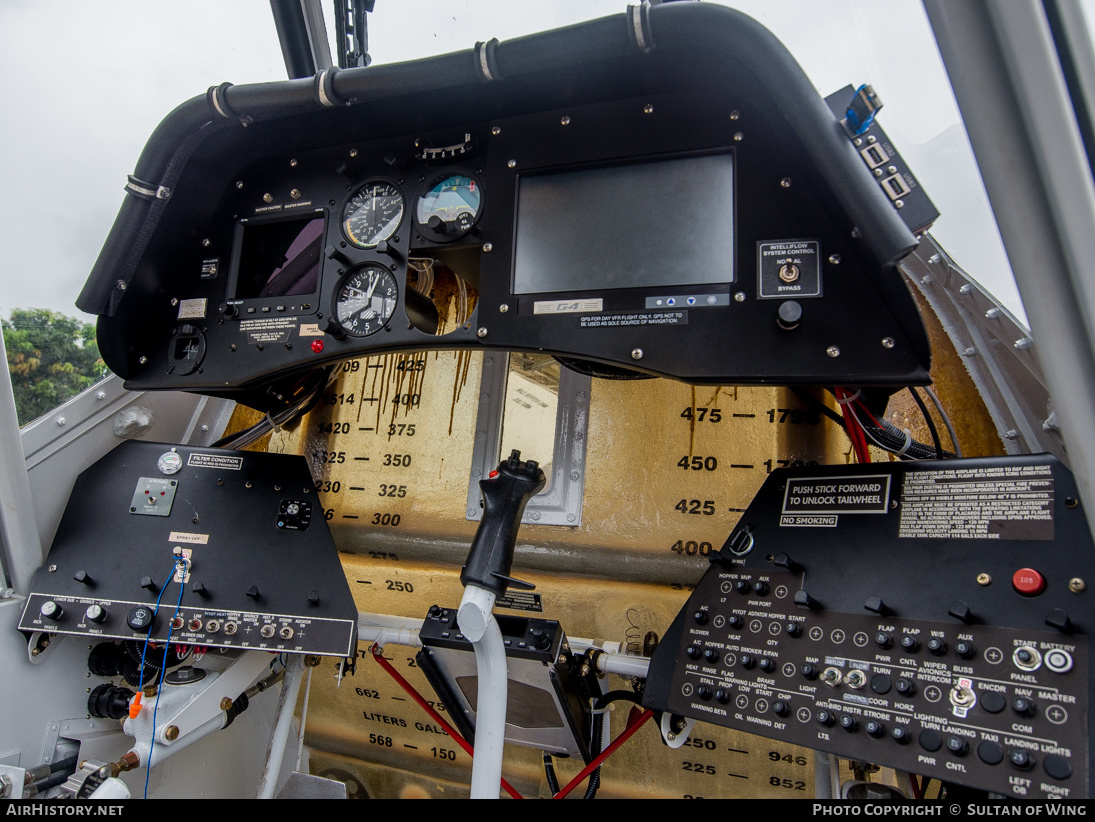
[(317, 345), (1028, 582)]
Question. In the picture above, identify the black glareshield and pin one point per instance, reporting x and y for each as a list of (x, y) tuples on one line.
[(505, 493)]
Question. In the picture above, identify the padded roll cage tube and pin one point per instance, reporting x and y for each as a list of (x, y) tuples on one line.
[(681, 26)]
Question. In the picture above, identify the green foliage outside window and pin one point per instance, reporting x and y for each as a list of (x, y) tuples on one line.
[(51, 358)]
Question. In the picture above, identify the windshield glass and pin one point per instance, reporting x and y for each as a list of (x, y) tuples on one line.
[(78, 120)]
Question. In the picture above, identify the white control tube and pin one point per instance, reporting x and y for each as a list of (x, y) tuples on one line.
[(477, 623)]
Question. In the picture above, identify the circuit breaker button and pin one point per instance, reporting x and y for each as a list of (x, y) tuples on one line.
[(1028, 582)]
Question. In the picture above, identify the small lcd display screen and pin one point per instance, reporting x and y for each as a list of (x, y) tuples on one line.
[(279, 259), (656, 224)]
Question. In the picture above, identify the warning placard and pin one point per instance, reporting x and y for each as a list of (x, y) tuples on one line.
[(997, 502), (645, 318), (837, 495)]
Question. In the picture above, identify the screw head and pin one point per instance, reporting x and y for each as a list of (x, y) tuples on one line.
[(1077, 585), (739, 297), (100, 395), (295, 193), (353, 152), (487, 248), (738, 137), (496, 130), (482, 332), (172, 733), (239, 183), (735, 114), (636, 353), (53, 569), (648, 109), (1011, 434), (293, 163), (511, 163), (785, 182), (984, 579), (898, 203), (832, 351), (142, 359), (834, 259), (174, 300), (564, 120), (61, 421), (268, 197), (503, 308), (887, 342)]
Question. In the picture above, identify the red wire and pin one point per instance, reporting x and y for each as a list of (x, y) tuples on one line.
[(917, 789), (596, 763), (449, 729), (855, 433)]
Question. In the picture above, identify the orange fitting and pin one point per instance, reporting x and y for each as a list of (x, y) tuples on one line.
[(135, 706)]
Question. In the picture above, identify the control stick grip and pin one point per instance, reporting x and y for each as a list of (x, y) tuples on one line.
[(505, 493)]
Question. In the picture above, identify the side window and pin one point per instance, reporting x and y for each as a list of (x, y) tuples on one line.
[(51, 358)]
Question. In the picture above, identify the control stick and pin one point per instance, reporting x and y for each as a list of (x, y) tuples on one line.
[(485, 576)]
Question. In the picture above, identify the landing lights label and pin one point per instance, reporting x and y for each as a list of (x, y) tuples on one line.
[(817, 501)]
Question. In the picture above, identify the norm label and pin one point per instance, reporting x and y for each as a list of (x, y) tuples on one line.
[(868, 494), (215, 461)]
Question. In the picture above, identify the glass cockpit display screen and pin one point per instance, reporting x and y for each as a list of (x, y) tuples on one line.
[(279, 258), (654, 224)]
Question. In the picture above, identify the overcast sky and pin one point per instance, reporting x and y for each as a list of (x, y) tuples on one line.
[(83, 84)]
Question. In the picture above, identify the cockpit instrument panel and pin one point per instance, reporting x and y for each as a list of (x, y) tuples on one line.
[(685, 206)]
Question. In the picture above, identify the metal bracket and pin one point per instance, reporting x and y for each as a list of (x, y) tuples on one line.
[(561, 503)]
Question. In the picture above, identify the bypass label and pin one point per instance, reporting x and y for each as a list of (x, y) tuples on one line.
[(1001, 502)]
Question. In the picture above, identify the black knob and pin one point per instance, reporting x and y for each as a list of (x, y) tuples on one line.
[(52, 611), (881, 684), (760, 588), (434, 611), (883, 640), (722, 696), (704, 692), (149, 585), (910, 644), (825, 718), (199, 588), (252, 592), (874, 728), (735, 621), (1023, 706), (95, 613), (993, 702), (961, 611), (229, 310), (958, 746), (313, 599), (767, 664), (711, 655), (139, 618), (804, 600), (876, 606), (900, 735), (748, 661), (742, 586), (780, 708), (789, 316), (332, 253), (784, 561), (700, 617), (83, 578), (540, 638), (810, 671), (334, 328), (849, 723), (1021, 760), (937, 646), (694, 652), (965, 649), (794, 630), (905, 686)]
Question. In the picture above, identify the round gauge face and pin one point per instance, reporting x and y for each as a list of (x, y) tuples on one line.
[(169, 462), (373, 214), (449, 207), (365, 300)]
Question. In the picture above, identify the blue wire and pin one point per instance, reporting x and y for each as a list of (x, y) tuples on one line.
[(163, 667), (152, 623)]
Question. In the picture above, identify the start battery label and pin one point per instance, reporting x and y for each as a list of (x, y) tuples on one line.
[(996, 502)]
